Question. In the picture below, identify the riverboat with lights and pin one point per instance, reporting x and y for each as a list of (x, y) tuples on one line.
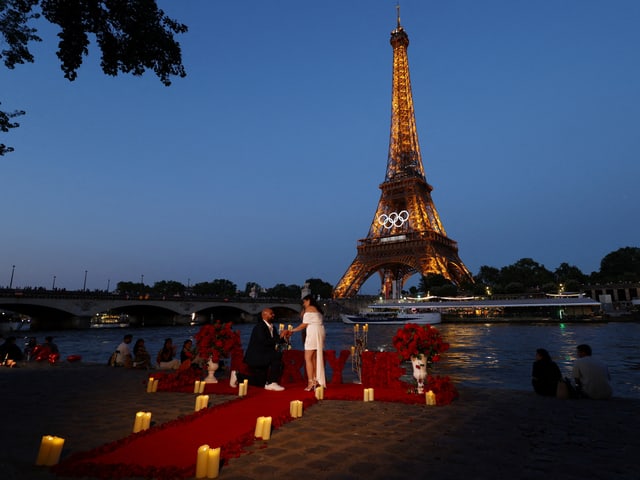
[(394, 314)]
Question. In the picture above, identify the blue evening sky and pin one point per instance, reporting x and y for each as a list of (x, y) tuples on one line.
[(263, 165)]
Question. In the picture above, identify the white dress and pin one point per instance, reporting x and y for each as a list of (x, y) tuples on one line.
[(315, 341)]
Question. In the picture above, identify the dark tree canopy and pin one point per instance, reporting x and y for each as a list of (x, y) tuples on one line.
[(133, 36), (621, 265)]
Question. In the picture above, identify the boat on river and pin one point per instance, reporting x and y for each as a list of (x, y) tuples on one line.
[(395, 314), (110, 320), (13, 322)]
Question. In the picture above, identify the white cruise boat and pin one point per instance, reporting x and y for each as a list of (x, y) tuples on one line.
[(395, 314)]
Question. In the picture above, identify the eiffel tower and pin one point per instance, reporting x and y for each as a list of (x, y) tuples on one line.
[(406, 236)]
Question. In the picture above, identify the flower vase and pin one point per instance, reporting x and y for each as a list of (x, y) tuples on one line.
[(211, 368), (419, 370)]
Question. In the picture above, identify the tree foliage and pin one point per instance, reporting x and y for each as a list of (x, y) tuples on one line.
[(133, 36), (320, 287), (621, 265), (217, 288)]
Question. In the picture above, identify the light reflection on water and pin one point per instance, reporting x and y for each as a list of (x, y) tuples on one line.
[(488, 355)]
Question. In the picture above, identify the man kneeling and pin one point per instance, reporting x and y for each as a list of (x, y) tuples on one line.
[(262, 355)]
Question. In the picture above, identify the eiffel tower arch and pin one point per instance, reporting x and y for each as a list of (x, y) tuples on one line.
[(406, 236)]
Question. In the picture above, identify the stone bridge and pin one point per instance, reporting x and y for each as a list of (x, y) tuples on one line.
[(77, 309)]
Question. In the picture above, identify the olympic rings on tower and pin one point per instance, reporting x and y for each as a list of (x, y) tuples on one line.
[(394, 219)]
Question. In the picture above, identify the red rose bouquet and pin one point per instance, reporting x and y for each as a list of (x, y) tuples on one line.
[(216, 340), (413, 340)]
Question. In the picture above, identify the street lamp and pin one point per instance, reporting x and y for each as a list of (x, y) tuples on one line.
[(13, 268), (84, 286)]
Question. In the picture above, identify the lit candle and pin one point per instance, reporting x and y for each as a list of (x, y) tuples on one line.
[(150, 385), (353, 350), (196, 386), (213, 462), (201, 461), (365, 327), (137, 424), (56, 449), (146, 421), (202, 385), (259, 427), (430, 397), (50, 450), (295, 408), (365, 395), (319, 392), (281, 327), (155, 385), (266, 428), (368, 394), (289, 327), (356, 328), (45, 449)]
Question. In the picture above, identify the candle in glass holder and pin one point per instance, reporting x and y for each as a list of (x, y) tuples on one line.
[(150, 385), (196, 386), (430, 398), (281, 327)]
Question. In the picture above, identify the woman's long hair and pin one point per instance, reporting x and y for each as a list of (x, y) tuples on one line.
[(313, 302)]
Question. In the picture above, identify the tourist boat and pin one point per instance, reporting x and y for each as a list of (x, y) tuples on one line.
[(395, 314), (12, 322), (110, 320)]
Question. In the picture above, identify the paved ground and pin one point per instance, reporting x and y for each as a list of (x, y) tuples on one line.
[(493, 434)]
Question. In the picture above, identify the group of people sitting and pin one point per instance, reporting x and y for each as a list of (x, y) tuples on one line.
[(591, 378), (263, 355), (139, 357), (11, 353)]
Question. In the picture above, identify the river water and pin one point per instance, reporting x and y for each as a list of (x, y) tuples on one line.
[(493, 355)]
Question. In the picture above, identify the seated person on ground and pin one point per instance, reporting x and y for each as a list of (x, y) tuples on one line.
[(123, 356), (591, 375), (167, 356)]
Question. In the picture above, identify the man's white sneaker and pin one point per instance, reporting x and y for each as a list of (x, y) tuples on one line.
[(274, 387), (233, 380)]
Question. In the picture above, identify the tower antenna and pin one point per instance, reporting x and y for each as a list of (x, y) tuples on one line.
[(398, 10)]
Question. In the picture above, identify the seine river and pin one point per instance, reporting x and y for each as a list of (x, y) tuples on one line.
[(493, 355)]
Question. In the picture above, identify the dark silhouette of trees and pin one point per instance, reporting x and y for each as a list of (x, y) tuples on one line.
[(622, 265), (132, 35)]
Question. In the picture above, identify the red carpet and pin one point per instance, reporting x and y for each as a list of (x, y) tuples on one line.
[(169, 451), (158, 453)]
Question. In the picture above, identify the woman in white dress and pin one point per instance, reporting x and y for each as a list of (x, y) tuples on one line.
[(312, 321)]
